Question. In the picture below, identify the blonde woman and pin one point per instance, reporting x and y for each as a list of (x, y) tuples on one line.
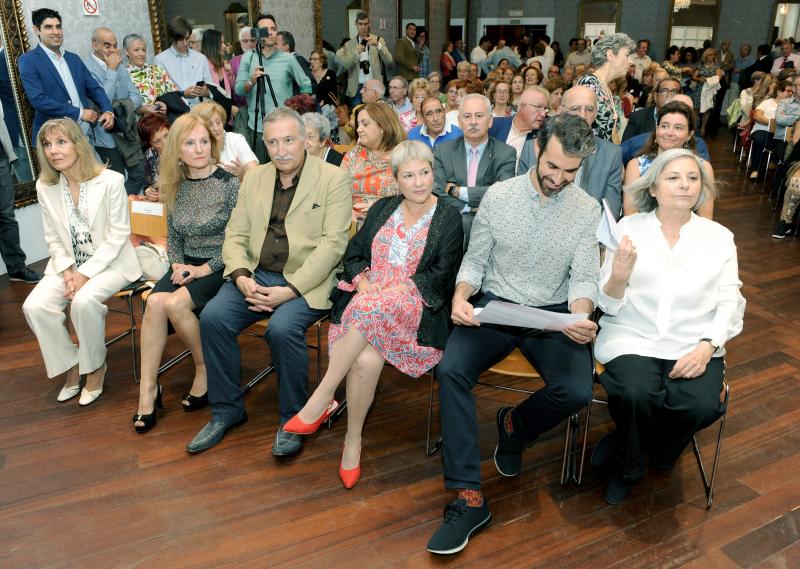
[(199, 198), (235, 155), (87, 229)]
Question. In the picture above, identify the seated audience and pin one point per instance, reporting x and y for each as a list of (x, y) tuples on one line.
[(187, 68), (379, 131), (556, 88), (517, 87), (399, 101), (435, 86), (465, 167), (434, 128), (317, 138), (526, 123), (418, 91), (392, 300), (532, 76), (644, 120), (372, 91), (233, 153), (87, 231), (675, 127), (500, 95), (199, 197), (523, 224), (670, 297), (791, 200), (282, 268), (153, 130), (764, 123), (149, 79)]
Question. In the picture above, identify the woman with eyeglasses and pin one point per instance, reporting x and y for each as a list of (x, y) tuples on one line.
[(323, 80), (500, 94)]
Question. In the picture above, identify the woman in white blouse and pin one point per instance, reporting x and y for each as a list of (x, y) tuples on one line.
[(235, 155), (670, 294), (87, 230)]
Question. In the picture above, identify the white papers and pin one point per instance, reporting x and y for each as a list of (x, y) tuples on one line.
[(607, 232), (510, 314), (147, 208)]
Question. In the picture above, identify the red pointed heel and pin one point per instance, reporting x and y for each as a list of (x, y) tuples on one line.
[(349, 477), (298, 427)]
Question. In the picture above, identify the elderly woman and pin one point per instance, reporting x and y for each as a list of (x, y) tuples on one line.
[(151, 80), (379, 131), (199, 198), (318, 132), (675, 124), (670, 294), (86, 227), (555, 87), (235, 155), (435, 86), (500, 95), (391, 303), (532, 76), (610, 60), (418, 91), (323, 80)]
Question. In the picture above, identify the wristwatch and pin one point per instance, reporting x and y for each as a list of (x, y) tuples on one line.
[(452, 189), (713, 345)]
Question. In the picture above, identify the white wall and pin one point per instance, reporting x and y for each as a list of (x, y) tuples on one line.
[(31, 235)]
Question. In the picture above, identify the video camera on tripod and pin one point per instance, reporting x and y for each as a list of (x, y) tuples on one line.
[(259, 111)]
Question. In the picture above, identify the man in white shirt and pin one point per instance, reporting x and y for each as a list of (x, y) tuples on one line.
[(640, 59), (549, 54), (480, 51), (785, 57), (187, 68), (580, 56)]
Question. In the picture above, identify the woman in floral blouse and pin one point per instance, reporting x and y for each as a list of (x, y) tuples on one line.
[(151, 80)]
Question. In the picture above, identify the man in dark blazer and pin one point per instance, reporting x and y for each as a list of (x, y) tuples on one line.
[(406, 58), (600, 174), (57, 83), (644, 120), (459, 181), (763, 63), (523, 126)]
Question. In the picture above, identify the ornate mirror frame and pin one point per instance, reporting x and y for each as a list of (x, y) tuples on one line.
[(15, 38)]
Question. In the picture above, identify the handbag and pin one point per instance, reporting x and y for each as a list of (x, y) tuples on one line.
[(153, 259)]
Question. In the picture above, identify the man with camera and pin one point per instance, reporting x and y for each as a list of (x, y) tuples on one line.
[(364, 57), (266, 77)]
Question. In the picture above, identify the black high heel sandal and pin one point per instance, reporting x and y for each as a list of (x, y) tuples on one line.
[(148, 421), (193, 403)]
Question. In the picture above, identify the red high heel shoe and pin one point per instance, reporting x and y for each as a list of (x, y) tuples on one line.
[(298, 427), (349, 477)]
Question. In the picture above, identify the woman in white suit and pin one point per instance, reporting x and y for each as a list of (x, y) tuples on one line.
[(87, 229)]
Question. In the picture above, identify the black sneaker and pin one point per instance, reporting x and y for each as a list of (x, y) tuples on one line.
[(617, 489), (508, 453), (460, 523), (782, 230), (25, 276)]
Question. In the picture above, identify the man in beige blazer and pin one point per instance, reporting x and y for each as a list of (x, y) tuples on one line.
[(283, 245)]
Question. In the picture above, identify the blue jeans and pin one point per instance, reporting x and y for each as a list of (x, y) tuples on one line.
[(221, 322), (13, 255)]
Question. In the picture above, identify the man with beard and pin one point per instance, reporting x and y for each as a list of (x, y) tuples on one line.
[(533, 244)]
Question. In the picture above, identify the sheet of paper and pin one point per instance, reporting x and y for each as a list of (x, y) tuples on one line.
[(607, 230), (147, 208), (510, 314)]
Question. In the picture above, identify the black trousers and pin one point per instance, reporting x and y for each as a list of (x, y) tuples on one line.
[(565, 367), (10, 249), (650, 409), (134, 183)]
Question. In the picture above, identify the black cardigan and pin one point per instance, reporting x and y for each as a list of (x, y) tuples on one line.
[(436, 273)]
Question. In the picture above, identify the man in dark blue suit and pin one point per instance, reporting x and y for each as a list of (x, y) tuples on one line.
[(57, 83), (523, 126)]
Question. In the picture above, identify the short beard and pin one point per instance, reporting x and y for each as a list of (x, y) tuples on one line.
[(547, 192)]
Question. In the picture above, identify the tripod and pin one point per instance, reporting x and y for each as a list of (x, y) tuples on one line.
[(259, 111)]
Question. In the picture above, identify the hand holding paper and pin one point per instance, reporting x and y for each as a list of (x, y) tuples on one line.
[(510, 314)]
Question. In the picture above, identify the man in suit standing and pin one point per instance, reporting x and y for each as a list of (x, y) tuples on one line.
[(644, 120), (57, 83), (600, 173), (283, 244), (464, 168), (406, 56), (763, 63), (364, 57)]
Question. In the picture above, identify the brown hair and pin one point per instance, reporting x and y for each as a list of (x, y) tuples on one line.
[(673, 107), (88, 166), (387, 120)]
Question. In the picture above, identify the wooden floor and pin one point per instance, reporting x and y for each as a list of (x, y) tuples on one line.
[(80, 489)]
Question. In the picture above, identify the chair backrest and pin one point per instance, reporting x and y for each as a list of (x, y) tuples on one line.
[(148, 219), (515, 364), (343, 148)]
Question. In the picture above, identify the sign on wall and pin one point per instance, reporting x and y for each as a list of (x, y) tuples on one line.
[(91, 7)]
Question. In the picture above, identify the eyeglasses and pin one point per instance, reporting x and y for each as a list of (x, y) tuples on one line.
[(536, 108), (665, 91)]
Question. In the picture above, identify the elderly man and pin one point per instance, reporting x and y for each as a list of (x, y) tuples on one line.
[(104, 64), (248, 44), (644, 120), (283, 244), (533, 244), (531, 111), (464, 168), (787, 55), (372, 91), (398, 98), (187, 68), (463, 70), (406, 56), (640, 59), (283, 71), (553, 72), (434, 128), (363, 57), (600, 174)]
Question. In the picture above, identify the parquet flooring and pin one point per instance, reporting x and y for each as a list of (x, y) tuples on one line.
[(80, 489)]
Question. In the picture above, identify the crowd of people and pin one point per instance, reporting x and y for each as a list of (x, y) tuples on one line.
[(398, 199)]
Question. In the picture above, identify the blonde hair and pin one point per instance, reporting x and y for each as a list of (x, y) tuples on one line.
[(88, 166), (173, 171), (207, 110)]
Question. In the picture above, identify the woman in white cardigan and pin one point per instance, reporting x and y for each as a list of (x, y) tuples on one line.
[(671, 298), (87, 229)]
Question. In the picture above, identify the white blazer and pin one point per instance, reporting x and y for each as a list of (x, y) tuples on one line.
[(109, 226)]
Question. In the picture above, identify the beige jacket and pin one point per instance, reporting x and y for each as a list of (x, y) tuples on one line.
[(349, 58), (317, 226)]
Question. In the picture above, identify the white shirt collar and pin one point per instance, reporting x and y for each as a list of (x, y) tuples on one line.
[(100, 61), (52, 54)]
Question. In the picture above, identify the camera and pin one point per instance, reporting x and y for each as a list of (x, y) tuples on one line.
[(364, 65), (259, 33)]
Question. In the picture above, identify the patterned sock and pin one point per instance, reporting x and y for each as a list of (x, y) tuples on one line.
[(474, 498), (508, 423)]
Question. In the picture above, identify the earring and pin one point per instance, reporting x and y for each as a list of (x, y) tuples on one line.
[(686, 144), (381, 132)]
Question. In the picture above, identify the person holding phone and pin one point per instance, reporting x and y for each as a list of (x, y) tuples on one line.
[(187, 68)]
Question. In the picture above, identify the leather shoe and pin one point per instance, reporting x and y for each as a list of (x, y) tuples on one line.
[(25, 276), (606, 452), (287, 444), (212, 433)]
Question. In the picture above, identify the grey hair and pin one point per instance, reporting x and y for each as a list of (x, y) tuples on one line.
[(538, 88), (318, 122), (574, 134), (472, 96), (96, 31), (130, 38), (433, 74), (409, 151), (640, 190), (281, 113), (614, 42), (244, 32), (197, 34), (402, 80)]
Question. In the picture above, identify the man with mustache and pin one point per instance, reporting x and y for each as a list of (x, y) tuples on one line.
[(464, 168), (533, 244), (283, 244)]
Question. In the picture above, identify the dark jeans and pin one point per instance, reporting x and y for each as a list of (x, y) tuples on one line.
[(13, 255), (651, 409), (760, 140), (134, 184), (221, 322), (565, 367)]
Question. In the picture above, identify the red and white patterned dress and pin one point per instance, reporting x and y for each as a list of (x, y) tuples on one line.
[(390, 320)]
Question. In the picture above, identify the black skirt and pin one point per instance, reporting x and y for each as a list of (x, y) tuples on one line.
[(201, 290)]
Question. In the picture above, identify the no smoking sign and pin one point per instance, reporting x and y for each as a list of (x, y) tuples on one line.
[(91, 8)]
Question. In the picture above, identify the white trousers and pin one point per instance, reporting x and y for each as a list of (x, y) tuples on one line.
[(45, 311)]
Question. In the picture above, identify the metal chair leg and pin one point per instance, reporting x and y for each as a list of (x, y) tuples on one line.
[(133, 338), (709, 484), (430, 450)]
